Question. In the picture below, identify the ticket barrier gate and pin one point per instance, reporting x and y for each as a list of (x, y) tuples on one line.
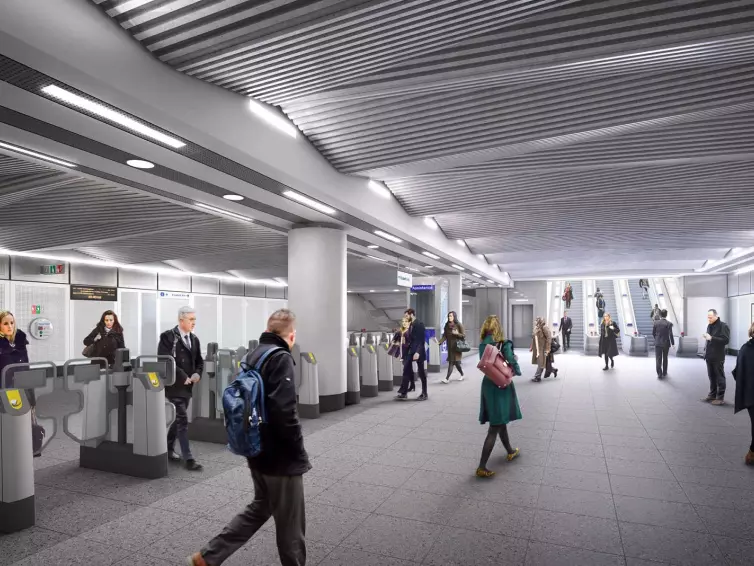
[(353, 380), (307, 383), (123, 416), (220, 369), (370, 378), (384, 365), (17, 510)]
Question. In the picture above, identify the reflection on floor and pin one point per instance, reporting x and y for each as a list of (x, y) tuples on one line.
[(617, 468)]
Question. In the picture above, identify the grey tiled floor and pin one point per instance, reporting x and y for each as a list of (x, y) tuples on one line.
[(616, 469)]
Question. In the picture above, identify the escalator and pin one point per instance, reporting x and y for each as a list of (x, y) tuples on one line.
[(576, 313), (611, 306), (642, 312)]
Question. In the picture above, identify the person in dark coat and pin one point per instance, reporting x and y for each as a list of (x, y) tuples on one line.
[(717, 337), (609, 331), (106, 337), (452, 333), (599, 301), (566, 325), (743, 373), (662, 331), (568, 295), (183, 345), (415, 352)]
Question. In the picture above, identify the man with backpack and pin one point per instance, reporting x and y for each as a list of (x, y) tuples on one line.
[(278, 468), (600, 301)]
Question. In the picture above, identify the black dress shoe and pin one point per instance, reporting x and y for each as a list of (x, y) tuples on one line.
[(605, 368), (412, 388), (422, 397), (400, 397), (173, 457), (193, 466)]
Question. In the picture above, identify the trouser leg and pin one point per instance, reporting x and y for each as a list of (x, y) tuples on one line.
[(422, 371), (288, 510), (451, 365), (504, 439), (548, 365), (751, 417), (720, 377), (408, 375), (665, 352), (459, 367), (607, 358), (538, 374), (711, 374), (658, 359), (242, 527), (489, 444), (181, 426)]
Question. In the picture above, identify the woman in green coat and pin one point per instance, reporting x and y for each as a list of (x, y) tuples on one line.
[(498, 406)]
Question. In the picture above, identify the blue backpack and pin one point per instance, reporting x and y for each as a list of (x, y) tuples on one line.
[(244, 408)]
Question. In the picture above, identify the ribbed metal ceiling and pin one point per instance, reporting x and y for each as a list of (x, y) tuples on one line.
[(522, 126)]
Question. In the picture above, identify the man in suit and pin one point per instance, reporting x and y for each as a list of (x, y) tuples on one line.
[(183, 346), (600, 302), (717, 337), (566, 324), (663, 335), (415, 352)]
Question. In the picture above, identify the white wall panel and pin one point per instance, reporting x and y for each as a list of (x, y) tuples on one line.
[(28, 269), (4, 295), (256, 318), (130, 319), (137, 279), (169, 282), (233, 333), (744, 284), (696, 313), (4, 267), (149, 328), (205, 285), (54, 303), (740, 309), (207, 319), (94, 275)]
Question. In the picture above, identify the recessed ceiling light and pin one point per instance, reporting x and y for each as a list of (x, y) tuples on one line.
[(371, 290), (377, 258), (374, 247), (233, 197), (476, 275), (458, 267), (460, 242), (31, 153), (396, 290), (387, 236), (140, 163), (273, 118), (430, 222), (111, 115), (490, 281), (316, 205), (227, 213), (380, 189), (429, 267), (431, 255)]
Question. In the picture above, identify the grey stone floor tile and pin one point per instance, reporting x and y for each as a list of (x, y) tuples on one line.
[(459, 547), (559, 436), (144, 492), (443, 464), (235, 479), (733, 523), (565, 500), (332, 437), (401, 458), (576, 417), (669, 545), (670, 514), (574, 479), (394, 537), (74, 513), (737, 552), (211, 469), (492, 517), (576, 427), (578, 531), (708, 460), (684, 446), (576, 462), (664, 490), (500, 490), (370, 439), (19, 545), (720, 478), (544, 554), (420, 506), (199, 499), (333, 467), (630, 430), (353, 453), (577, 448), (653, 470), (184, 541), (640, 562), (530, 433), (725, 497), (633, 454), (75, 552), (609, 440), (262, 550), (377, 474), (357, 496), (330, 525), (350, 557), (139, 559), (350, 426)]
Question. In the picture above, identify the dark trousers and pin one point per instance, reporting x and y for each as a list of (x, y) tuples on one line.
[(179, 428), (568, 304), (566, 341), (600, 314), (279, 497), (607, 357), (452, 365), (716, 374), (751, 417), (661, 359), (408, 374)]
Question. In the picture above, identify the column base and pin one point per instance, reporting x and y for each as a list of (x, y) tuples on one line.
[(308, 411), (385, 385), (204, 429), (433, 368), (120, 459), (17, 515), (397, 380), (369, 390), (330, 403), (353, 397)]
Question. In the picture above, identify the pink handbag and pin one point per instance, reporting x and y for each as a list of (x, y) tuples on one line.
[(494, 366)]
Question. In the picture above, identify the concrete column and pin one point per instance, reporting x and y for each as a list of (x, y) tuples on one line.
[(317, 295), (455, 295)]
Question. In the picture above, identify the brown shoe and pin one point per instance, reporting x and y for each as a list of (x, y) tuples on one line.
[(717, 402), (196, 559), (750, 458)]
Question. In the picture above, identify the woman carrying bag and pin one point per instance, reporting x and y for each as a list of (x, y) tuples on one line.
[(454, 335), (106, 337), (609, 331), (498, 406), (541, 343)]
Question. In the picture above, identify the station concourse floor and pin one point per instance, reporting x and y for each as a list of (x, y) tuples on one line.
[(616, 468)]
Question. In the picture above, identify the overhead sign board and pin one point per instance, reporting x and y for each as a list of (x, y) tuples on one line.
[(423, 288), (173, 295), (405, 279), (91, 293), (56, 269)]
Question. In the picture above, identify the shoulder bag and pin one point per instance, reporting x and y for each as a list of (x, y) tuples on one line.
[(494, 366)]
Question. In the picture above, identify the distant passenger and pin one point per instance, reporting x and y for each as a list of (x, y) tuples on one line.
[(541, 342), (743, 373), (498, 406), (655, 314), (609, 331), (278, 470), (717, 337), (180, 343), (568, 295), (452, 333), (106, 337), (663, 335), (644, 284), (415, 352), (566, 325), (405, 325), (600, 302)]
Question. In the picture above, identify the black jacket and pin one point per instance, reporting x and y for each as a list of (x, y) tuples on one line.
[(283, 452), (187, 362), (107, 344), (16, 354), (663, 332), (609, 339), (715, 351), (743, 373), (566, 324), (416, 337)]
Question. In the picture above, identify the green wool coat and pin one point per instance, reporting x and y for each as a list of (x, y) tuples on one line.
[(499, 406)]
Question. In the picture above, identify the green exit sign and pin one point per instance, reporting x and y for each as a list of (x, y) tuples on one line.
[(55, 269)]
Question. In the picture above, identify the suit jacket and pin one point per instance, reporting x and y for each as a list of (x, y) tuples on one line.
[(566, 325), (187, 362), (715, 351), (743, 373), (416, 335), (663, 333)]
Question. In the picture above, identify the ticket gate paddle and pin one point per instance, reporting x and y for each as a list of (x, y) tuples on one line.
[(384, 367), (220, 369), (17, 509), (353, 382), (370, 380), (307, 384)]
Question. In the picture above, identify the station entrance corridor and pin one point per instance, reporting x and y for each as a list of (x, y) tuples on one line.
[(616, 468)]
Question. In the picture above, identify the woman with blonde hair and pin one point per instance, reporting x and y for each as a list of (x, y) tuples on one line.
[(541, 342), (497, 406)]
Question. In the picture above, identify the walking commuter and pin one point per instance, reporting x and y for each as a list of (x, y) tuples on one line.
[(644, 284), (278, 470), (656, 313), (541, 342), (497, 406), (608, 347), (743, 373), (663, 335), (550, 361), (600, 303), (183, 345), (415, 352), (717, 337), (106, 337), (405, 325), (566, 325), (568, 295), (452, 333)]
